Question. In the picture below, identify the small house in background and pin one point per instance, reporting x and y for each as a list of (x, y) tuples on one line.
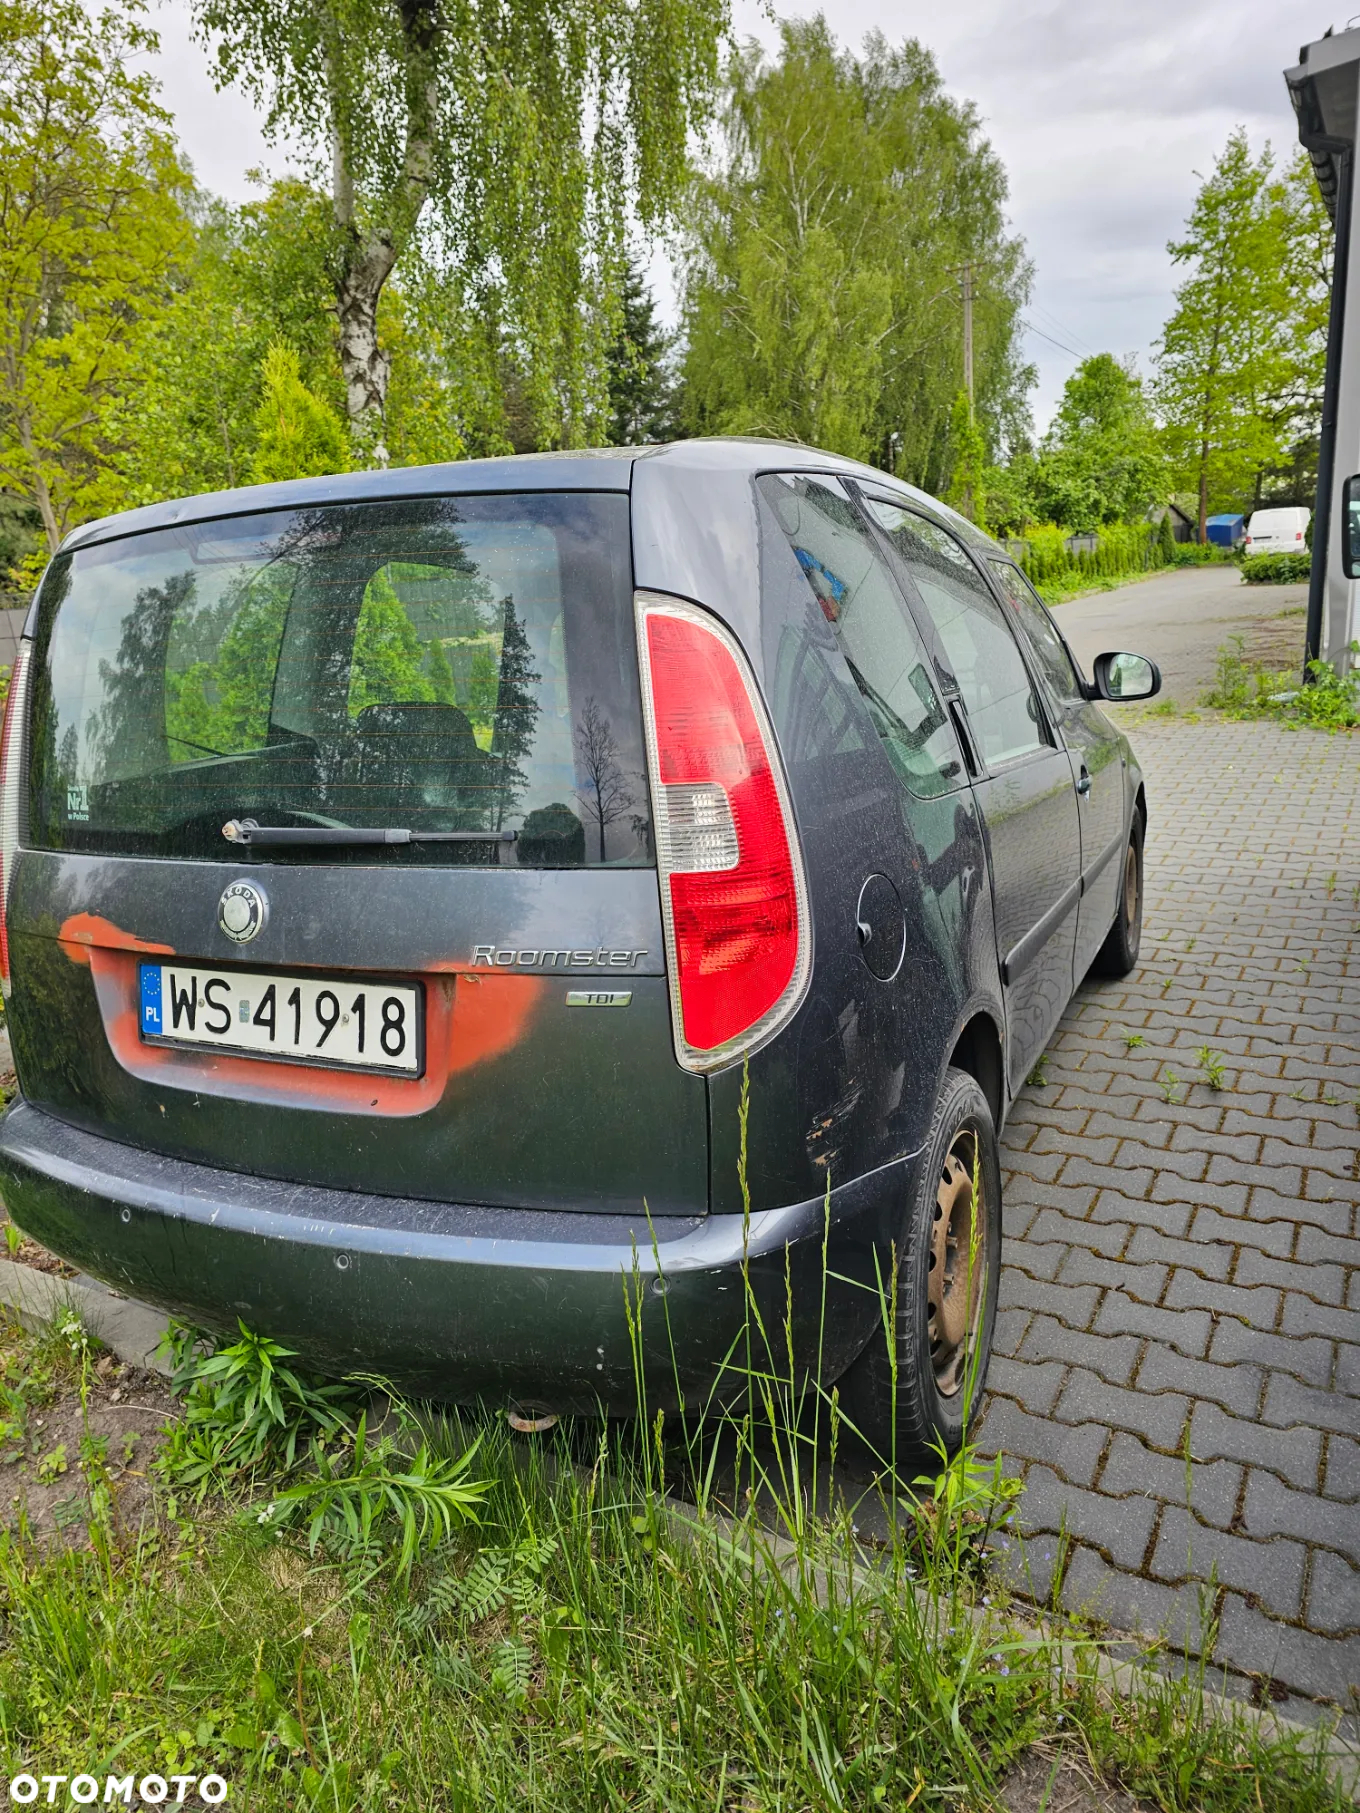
[(1182, 524), (1226, 531)]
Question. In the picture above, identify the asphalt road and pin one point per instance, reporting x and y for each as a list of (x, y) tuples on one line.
[(1181, 619)]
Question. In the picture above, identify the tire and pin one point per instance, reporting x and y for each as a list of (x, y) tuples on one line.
[(941, 1359), (1118, 956)]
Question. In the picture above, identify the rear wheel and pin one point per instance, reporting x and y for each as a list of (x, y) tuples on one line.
[(1118, 956), (948, 1259)]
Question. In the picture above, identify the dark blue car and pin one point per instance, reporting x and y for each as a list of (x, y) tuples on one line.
[(492, 923)]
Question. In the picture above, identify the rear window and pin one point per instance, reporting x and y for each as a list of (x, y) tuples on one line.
[(455, 664)]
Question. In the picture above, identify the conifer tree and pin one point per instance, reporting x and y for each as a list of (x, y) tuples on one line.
[(1224, 357), (299, 435)]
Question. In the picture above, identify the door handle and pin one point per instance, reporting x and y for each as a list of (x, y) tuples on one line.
[(1084, 782)]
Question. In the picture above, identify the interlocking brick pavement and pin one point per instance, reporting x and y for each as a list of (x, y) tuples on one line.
[(1177, 1362)]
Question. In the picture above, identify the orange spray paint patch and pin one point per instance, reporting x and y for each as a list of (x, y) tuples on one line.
[(469, 1020), (84, 931), (491, 1015)]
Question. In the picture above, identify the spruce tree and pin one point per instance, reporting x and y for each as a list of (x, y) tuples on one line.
[(641, 388)]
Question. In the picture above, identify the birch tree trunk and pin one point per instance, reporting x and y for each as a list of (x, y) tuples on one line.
[(370, 251)]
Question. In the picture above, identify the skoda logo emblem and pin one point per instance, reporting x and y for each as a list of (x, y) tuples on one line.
[(242, 911)]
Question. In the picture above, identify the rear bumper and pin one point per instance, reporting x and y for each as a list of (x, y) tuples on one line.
[(461, 1302)]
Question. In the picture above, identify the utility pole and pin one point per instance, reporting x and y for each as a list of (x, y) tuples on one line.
[(967, 275)]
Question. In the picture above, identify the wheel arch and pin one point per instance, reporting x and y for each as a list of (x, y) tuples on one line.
[(977, 1049)]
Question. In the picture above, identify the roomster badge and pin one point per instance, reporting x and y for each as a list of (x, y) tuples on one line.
[(242, 911)]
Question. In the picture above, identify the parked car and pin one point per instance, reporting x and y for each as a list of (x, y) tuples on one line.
[(1281, 531), (416, 881)]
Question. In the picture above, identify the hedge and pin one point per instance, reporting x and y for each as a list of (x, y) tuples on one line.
[(1288, 568), (1121, 549)]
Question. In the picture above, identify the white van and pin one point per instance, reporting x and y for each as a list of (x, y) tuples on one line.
[(1277, 531)]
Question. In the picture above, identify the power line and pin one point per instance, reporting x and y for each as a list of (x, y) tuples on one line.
[(1060, 327), (1061, 345)]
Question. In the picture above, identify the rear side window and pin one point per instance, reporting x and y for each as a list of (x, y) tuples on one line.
[(977, 640), (881, 644), (455, 664), (1039, 627)]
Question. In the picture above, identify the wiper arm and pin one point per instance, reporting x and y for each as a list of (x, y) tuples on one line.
[(246, 831), (189, 744)]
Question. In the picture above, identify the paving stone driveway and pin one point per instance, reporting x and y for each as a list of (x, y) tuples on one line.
[(1178, 1343)]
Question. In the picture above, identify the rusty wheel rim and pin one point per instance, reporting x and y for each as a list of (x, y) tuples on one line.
[(1131, 888), (958, 1255)]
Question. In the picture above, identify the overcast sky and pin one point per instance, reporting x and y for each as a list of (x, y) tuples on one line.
[(1102, 115)]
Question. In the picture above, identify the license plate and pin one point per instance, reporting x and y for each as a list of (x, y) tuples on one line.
[(326, 1020)]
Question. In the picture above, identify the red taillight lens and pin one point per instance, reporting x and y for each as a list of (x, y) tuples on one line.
[(734, 898), (11, 801)]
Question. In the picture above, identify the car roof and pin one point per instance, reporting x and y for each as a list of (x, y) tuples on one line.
[(586, 469)]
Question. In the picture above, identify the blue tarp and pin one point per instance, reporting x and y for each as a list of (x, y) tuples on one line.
[(1226, 531)]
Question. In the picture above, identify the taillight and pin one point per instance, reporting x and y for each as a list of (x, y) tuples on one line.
[(11, 794), (733, 892)]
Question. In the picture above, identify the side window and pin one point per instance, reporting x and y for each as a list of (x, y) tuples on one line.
[(1039, 627), (882, 647), (982, 651)]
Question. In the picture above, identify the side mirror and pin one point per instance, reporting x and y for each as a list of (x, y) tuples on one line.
[(1350, 535), (1121, 678)]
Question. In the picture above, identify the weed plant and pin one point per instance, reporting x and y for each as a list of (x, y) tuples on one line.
[(1246, 689)]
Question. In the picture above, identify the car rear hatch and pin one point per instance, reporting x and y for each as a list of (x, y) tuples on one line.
[(473, 1007)]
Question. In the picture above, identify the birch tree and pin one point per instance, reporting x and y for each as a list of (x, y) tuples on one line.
[(824, 247), (517, 135)]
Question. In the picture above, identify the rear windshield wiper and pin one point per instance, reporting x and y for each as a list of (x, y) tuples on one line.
[(246, 831)]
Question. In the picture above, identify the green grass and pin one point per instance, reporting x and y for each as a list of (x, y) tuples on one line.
[(579, 1643), (662, 1614)]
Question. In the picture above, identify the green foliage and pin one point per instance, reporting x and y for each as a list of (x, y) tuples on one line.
[(969, 456), (1331, 700), (587, 1643), (245, 1409), (1239, 363), (389, 658), (255, 275), (1246, 689), (298, 436), (1122, 552), (1288, 568), (91, 228), (1101, 461), (346, 1500), (515, 141), (642, 400), (817, 303), (49, 1467), (219, 704)]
